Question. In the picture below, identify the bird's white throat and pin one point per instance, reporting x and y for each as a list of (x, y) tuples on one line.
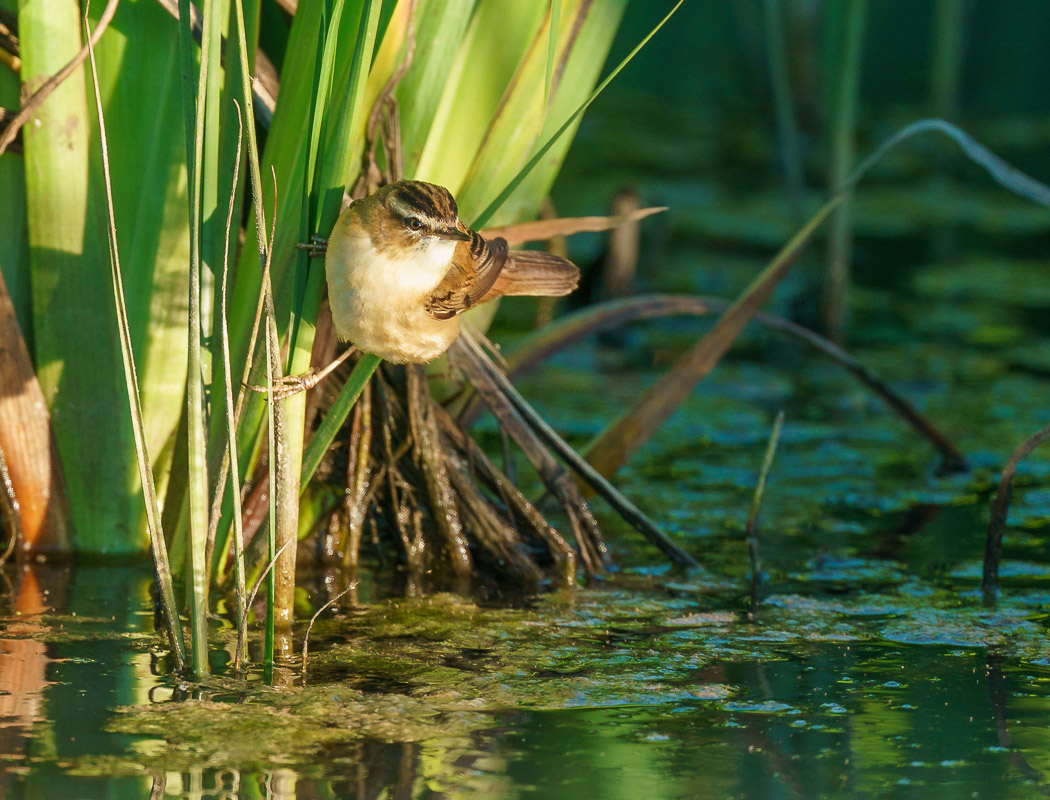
[(397, 275)]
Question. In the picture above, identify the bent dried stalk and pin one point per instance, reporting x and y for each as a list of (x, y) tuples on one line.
[(624, 507), (574, 327), (612, 449), (993, 543), (621, 440)]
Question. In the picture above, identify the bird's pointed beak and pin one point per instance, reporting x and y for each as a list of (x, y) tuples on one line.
[(454, 233)]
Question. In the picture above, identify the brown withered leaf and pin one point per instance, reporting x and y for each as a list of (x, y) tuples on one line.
[(617, 443), (543, 229)]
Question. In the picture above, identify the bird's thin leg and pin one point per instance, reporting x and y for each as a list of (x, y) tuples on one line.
[(293, 384), (317, 247)]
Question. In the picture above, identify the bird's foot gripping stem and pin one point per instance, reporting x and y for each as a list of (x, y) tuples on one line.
[(317, 247), (293, 384)]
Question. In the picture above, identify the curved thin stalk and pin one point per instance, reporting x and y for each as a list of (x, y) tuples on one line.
[(993, 544)]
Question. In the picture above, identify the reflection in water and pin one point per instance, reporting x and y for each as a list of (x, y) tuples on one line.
[(819, 720), (23, 663)]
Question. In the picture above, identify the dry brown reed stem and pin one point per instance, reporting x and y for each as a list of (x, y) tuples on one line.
[(402, 496), (34, 101), (436, 481), (505, 488), (621, 260), (33, 468), (494, 534), (420, 452), (360, 481), (10, 510), (993, 543), (468, 357)]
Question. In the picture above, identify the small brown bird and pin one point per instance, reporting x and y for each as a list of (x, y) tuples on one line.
[(401, 268)]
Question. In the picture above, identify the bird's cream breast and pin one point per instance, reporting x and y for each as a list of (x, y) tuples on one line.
[(377, 295)]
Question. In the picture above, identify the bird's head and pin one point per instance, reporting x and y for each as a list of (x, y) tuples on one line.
[(414, 214)]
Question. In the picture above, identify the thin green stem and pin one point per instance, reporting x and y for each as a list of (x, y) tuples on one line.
[(751, 528), (787, 129), (840, 240), (197, 532), (231, 418)]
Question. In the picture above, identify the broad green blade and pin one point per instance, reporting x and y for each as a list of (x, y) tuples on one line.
[(487, 215), (499, 37), (440, 27), (516, 124), (587, 33), (74, 327), (552, 50), (142, 459), (139, 81)]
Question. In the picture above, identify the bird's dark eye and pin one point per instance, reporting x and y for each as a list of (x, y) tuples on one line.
[(414, 223)]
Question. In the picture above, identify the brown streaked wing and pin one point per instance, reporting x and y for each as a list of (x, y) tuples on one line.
[(475, 267)]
